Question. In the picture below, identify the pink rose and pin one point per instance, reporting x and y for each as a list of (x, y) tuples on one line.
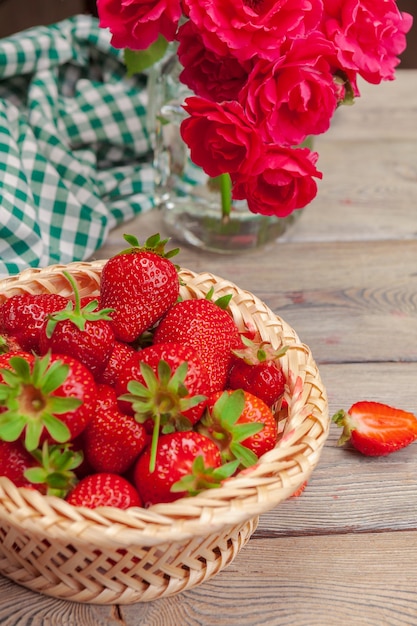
[(219, 136), (284, 184), (252, 28), (368, 34), (295, 96), (205, 73), (135, 24)]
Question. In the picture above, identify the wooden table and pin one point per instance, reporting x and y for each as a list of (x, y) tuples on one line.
[(345, 552)]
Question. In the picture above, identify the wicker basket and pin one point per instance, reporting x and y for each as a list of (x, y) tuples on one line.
[(109, 556)]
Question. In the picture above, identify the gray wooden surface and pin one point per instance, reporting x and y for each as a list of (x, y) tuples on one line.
[(345, 552)]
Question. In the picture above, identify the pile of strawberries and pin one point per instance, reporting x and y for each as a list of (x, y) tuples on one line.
[(133, 397)]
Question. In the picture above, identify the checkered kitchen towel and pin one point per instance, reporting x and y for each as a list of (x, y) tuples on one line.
[(74, 152)]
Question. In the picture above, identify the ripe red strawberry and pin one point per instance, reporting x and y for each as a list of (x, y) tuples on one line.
[(50, 397), (188, 460), (172, 390), (112, 441), (256, 368), (376, 429), (104, 489), (140, 284), (23, 315), (121, 353), (206, 327), (48, 470), (84, 333), (241, 424), (14, 461)]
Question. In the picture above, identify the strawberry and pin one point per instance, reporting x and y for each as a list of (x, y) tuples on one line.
[(84, 333), (23, 315), (140, 284), (173, 386), (121, 353), (186, 463), (112, 441), (376, 429), (104, 489), (48, 470), (256, 369), (14, 461), (205, 326), (45, 397), (241, 424)]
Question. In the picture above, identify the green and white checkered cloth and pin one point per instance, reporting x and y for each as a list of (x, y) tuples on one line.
[(75, 155)]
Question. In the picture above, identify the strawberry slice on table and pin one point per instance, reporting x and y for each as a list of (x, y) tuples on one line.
[(104, 489), (376, 429), (140, 283), (206, 326), (51, 397)]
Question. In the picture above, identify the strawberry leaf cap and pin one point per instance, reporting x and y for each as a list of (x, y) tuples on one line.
[(28, 401), (221, 426), (153, 244), (163, 398), (254, 352), (75, 313), (55, 470), (203, 477)]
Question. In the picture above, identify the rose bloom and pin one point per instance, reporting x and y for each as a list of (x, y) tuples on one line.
[(284, 184), (205, 73), (219, 136), (295, 96), (252, 28), (368, 34), (135, 24)]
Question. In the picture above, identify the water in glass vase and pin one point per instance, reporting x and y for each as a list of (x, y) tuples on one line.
[(191, 201)]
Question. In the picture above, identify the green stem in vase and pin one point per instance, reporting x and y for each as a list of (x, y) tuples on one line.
[(225, 185)]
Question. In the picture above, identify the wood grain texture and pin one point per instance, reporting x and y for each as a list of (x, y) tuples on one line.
[(345, 277)]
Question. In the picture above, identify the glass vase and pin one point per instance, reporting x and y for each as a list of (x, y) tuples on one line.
[(189, 200)]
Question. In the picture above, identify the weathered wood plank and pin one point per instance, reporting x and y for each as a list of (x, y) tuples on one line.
[(365, 580)]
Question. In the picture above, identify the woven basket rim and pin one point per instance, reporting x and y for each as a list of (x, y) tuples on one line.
[(254, 491)]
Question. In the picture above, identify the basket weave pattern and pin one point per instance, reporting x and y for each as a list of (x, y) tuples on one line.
[(108, 555)]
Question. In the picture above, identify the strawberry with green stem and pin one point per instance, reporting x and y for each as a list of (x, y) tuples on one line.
[(140, 283), (256, 368), (186, 463), (166, 386), (83, 332), (50, 397), (241, 424)]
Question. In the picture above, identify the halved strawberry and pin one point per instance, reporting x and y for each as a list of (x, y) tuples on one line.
[(376, 429), (83, 332)]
